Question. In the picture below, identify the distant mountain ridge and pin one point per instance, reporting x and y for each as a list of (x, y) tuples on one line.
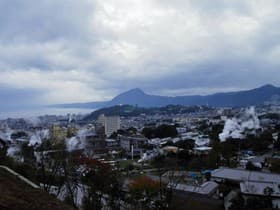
[(130, 110), (254, 97)]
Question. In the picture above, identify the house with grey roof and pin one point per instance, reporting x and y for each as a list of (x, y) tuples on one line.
[(251, 183)]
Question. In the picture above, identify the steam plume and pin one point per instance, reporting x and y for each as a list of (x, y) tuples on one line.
[(236, 127)]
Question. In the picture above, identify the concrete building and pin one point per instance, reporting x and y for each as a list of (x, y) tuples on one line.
[(101, 119), (132, 144), (110, 123)]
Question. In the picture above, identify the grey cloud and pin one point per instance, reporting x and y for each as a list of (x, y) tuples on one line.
[(12, 98), (44, 20), (152, 44)]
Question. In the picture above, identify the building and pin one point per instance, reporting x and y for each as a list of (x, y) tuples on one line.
[(202, 150), (205, 196), (170, 149), (239, 175), (112, 145), (58, 133), (111, 123), (101, 119), (96, 141), (261, 189), (251, 183), (132, 144), (207, 189)]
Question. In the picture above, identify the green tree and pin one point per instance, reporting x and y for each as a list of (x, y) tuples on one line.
[(161, 131), (27, 152)]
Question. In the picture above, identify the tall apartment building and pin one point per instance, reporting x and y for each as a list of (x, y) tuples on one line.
[(101, 119), (110, 123)]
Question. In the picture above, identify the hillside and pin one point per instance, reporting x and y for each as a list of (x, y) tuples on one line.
[(129, 110), (16, 195)]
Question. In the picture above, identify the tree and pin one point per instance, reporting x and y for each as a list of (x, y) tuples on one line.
[(250, 166), (143, 192), (274, 165), (27, 153), (50, 162), (132, 130), (161, 131), (277, 142), (103, 185), (71, 179), (251, 203), (19, 134)]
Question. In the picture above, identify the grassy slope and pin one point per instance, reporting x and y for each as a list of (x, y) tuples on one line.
[(16, 195)]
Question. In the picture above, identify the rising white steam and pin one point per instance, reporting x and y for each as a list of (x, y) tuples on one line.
[(74, 143), (34, 121), (12, 151), (38, 137), (6, 136), (237, 127), (79, 141)]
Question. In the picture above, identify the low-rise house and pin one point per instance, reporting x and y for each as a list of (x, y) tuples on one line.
[(132, 144), (111, 143), (251, 183), (262, 189), (257, 161), (149, 155), (206, 189), (239, 175), (181, 130), (202, 141), (202, 150), (175, 140), (170, 149), (21, 140), (203, 196)]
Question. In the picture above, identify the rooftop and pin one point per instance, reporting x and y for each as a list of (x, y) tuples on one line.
[(259, 188), (245, 175), (206, 188)]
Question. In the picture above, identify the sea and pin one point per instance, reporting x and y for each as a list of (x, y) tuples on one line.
[(36, 112)]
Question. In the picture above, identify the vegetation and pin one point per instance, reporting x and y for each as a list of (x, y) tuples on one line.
[(103, 185), (143, 193), (274, 164), (18, 195), (129, 110), (252, 203), (161, 131)]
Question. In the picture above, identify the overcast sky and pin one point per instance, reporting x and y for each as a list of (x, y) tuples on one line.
[(57, 51)]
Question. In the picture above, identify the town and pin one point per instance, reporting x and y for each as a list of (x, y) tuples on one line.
[(128, 157)]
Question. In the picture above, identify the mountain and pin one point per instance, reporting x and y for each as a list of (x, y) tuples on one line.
[(138, 97), (257, 96)]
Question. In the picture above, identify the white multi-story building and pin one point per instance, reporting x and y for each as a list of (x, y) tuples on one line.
[(101, 119), (110, 123)]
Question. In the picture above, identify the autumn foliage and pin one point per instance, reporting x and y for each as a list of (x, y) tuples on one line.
[(144, 184)]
